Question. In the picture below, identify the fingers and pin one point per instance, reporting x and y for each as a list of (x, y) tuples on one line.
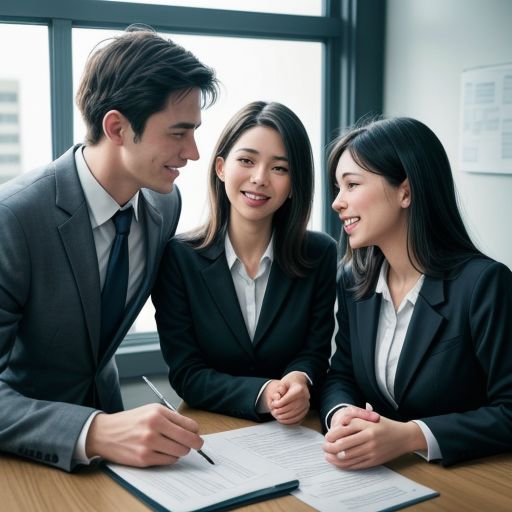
[(273, 391), (291, 408), (295, 391), (146, 436), (357, 412), (279, 393), (351, 451), (347, 438), (346, 414), (183, 421), (342, 431), (178, 430), (293, 416)]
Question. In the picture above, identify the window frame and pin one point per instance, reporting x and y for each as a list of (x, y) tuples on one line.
[(352, 34)]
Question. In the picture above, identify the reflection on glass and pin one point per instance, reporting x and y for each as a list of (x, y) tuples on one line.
[(25, 131), (302, 7), (249, 69)]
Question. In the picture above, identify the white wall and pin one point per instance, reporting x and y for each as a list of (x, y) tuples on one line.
[(428, 44)]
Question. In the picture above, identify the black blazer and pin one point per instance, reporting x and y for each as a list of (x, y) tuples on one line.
[(213, 363), (455, 369)]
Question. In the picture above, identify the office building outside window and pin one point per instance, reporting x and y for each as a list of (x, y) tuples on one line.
[(25, 128), (10, 149)]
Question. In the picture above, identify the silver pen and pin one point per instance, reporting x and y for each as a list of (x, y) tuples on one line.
[(172, 408)]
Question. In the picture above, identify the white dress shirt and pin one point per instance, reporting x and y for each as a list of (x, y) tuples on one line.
[(391, 333), (102, 207), (250, 293)]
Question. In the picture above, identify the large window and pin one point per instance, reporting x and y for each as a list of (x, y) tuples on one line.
[(305, 7), (25, 134), (322, 58), (249, 69)]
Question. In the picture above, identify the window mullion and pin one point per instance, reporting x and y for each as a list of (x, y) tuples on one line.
[(61, 85)]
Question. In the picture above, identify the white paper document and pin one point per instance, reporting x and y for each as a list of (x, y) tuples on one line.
[(194, 484), (322, 485), (265, 457)]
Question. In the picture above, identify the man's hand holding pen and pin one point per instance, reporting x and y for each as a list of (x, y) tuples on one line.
[(150, 435)]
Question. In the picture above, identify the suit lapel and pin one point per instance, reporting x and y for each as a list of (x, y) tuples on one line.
[(368, 312), (77, 238), (425, 323), (277, 288), (219, 282)]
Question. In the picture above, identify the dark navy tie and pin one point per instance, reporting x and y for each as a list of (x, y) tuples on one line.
[(113, 295)]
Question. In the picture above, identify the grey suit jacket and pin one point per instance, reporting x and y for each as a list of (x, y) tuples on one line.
[(51, 379)]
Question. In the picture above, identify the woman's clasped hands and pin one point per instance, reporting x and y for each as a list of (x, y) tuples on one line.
[(288, 399), (361, 438)]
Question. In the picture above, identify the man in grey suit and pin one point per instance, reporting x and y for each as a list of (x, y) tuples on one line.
[(60, 244)]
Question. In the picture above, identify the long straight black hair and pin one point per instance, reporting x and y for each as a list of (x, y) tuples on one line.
[(290, 220), (397, 149)]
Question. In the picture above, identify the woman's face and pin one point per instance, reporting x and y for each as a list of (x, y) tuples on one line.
[(256, 175), (372, 211)]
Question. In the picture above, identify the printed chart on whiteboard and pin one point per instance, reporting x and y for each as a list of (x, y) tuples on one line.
[(486, 120)]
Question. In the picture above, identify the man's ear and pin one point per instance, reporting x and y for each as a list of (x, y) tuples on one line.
[(115, 126), (219, 167), (405, 194)]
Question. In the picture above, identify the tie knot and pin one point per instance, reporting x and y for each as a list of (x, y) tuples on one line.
[(122, 220)]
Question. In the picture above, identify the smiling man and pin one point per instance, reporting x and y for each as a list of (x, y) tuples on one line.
[(82, 239)]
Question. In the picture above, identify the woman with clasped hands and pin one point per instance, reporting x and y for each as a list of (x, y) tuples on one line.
[(425, 330), (245, 304)]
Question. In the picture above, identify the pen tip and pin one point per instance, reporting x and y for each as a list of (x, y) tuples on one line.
[(206, 457)]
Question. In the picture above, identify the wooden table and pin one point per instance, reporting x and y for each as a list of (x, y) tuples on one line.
[(485, 484)]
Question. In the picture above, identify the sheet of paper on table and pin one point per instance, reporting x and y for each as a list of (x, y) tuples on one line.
[(264, 461), (323, 486), (238, 477)]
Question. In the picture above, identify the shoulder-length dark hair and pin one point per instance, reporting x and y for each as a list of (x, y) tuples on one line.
[(398, 149), (290, 221)]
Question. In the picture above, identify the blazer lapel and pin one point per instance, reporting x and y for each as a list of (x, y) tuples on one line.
[(220, 284), (77, 238), (368, 312), (425, 323), (277, 288)]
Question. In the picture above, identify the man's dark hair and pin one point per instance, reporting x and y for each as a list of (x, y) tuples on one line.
[(135, 73)]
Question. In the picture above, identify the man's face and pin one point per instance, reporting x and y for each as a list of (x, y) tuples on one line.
[(166, 144)]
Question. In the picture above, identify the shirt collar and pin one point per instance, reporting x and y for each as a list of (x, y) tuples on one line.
[(101, 204), (382, 286), (232, 258)]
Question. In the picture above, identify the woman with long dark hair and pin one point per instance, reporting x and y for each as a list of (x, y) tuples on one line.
[(425, 328), (244, 305)]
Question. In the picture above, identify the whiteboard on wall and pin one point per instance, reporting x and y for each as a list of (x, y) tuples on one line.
[(486, 120)]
